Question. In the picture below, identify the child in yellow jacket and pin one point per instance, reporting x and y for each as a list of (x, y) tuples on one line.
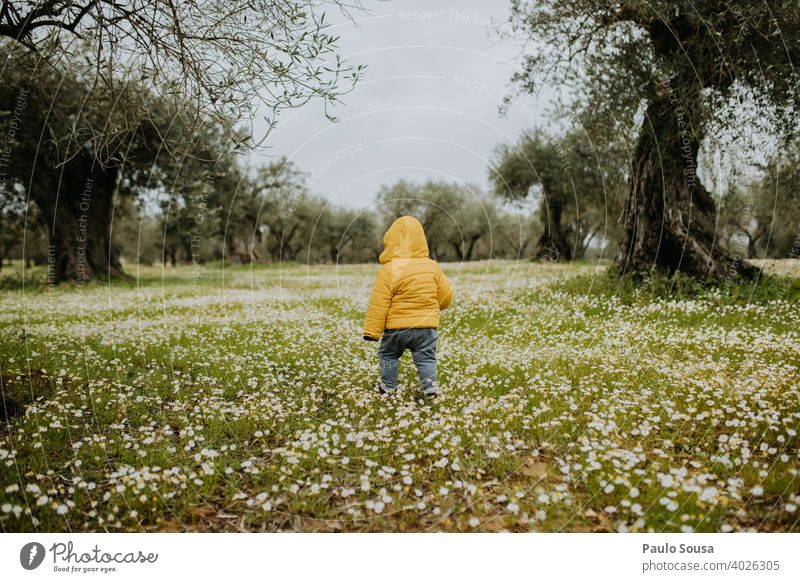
[(409, 291)]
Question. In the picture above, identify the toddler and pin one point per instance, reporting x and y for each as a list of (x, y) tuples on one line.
[(403, 311)]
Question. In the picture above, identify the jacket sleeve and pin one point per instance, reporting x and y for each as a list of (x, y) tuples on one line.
[(375, 321), (444, 290)]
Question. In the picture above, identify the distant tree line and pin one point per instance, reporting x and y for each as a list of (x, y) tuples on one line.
[(270, 216)]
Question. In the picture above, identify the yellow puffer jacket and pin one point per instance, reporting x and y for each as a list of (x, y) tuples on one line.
[(410, 288)]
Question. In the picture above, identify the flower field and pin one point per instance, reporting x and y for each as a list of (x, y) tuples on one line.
[(241, 400)]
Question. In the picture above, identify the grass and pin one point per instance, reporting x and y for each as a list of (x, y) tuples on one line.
[(239, 399)]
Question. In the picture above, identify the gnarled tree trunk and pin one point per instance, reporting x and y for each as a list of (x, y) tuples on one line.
[(670, 218), (554, 243), (77, 201), (243, 242), (464, 251)]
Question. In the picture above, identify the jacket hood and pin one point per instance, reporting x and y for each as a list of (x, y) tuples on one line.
[(405, 239)]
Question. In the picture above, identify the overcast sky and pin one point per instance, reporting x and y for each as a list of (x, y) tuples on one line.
[(427, 105)]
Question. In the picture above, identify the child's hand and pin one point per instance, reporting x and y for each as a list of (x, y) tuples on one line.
[(370, 338)]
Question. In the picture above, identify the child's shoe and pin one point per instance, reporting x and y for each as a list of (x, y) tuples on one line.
[(378, 387), (430, 390), (430, 396)]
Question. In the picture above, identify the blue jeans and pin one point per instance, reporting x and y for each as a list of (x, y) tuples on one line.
[(422, 343)]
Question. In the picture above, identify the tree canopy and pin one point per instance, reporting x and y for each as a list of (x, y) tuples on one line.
[(232, 60)]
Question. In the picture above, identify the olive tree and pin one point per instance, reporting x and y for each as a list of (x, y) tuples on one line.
[(105, 82), (576, 181), (76, 189), (672, 67), (453, 215)]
